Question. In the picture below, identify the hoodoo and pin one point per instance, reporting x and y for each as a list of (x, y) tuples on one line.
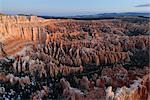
[(65, 59)]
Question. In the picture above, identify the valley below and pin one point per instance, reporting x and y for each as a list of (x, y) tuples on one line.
[(70, 59)]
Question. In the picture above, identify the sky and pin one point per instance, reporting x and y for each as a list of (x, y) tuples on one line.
[(72, 7)]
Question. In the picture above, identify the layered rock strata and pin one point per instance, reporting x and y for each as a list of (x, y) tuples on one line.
[(77, 59)]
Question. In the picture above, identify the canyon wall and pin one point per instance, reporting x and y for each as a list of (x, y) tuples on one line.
[(25, 27), (77, 59), (19, 31), (32, 29), (19, 19)]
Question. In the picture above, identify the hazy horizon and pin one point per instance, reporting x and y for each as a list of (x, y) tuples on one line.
[(72, 7)]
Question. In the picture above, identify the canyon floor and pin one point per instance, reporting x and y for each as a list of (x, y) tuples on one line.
[(68, 59)]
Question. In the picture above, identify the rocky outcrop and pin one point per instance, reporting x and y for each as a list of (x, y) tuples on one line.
[(73, 93), (37, 30), (138, 90), (44, 68), (21, 30), (13, 79), (18, 19), (121, 84), (77, 59)]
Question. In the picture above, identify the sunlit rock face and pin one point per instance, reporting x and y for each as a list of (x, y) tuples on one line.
[(135, 88), (74, 59), (19, 19), (22, 30)]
